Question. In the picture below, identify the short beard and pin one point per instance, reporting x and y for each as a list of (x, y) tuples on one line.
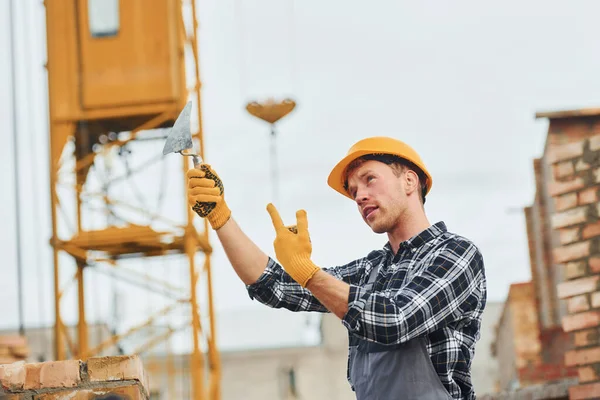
[(388, 223), (384, 225)]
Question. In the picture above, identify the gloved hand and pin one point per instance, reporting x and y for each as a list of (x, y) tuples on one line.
[(206, 195), (293, 249)]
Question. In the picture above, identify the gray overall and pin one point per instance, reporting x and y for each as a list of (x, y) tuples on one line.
[(396, 372)]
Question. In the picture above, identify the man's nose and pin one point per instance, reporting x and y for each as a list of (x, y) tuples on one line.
[(361, 196)]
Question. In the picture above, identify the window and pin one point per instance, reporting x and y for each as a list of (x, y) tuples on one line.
[(103, 17)]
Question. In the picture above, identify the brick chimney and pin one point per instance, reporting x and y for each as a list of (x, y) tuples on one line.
[(572, 155), (102, 378)]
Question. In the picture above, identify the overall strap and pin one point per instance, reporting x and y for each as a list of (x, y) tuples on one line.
[(367, 346)]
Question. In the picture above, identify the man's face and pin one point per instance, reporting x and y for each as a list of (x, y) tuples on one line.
[(379, 195)]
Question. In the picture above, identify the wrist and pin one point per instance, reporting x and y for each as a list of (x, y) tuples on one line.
[(219, 216), (303, 270)]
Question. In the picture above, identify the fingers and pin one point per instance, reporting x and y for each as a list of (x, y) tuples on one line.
[(301, 226), (204, 191), (203, 198), (302, 221), (195, 173), (201, 183), (277, 222)]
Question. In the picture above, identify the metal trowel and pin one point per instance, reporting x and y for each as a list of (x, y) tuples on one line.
[(180, 139), (180, 136)]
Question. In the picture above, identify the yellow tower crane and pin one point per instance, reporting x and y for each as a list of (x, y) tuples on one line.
[(116, 76)]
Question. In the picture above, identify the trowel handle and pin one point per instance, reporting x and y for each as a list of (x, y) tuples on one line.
[(197, 162)]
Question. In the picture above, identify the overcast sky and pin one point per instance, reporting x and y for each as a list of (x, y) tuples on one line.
[(460, 81)]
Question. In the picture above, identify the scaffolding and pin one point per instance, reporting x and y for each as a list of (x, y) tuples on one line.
[(119, 72)]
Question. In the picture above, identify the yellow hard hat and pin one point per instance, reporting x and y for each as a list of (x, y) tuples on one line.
[(376, 145)]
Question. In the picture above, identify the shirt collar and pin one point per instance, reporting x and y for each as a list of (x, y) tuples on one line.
[(421, 238)]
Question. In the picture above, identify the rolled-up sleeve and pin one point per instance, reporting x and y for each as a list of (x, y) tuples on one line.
[(276, 288), (450, 285)]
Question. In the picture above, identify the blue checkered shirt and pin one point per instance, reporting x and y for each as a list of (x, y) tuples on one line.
[(434, 286)]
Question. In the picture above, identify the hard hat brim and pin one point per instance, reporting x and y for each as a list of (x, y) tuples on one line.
[(336, 177)]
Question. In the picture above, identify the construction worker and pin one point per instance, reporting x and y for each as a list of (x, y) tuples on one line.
[(412, 308)]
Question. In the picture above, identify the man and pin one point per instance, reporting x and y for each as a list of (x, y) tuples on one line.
[(412, 308)]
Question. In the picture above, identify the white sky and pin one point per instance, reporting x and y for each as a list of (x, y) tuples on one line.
[(460, 81)]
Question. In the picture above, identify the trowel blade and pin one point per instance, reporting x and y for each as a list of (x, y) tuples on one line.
[(180, 135)]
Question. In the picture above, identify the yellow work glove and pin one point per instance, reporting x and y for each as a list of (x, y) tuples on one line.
[(206, 195), (292, 246)]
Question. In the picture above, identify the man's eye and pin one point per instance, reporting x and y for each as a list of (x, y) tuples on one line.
[(370, 178)]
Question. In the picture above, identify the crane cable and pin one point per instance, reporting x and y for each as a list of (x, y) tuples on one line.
[(35, 184)]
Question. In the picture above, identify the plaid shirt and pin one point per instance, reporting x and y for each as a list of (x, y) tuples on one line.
[(434, 286)]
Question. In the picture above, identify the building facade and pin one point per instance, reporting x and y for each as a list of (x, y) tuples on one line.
[(549, 328)]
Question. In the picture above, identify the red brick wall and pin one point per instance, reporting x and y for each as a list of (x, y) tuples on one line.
[(563, 229), (555, 343), (539, 267), (518, 345), (120, 377), (525, 325), (503, 348), (573, 156), (546, 272)]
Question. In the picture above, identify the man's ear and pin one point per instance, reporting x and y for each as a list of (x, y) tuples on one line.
[(412, 181)]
